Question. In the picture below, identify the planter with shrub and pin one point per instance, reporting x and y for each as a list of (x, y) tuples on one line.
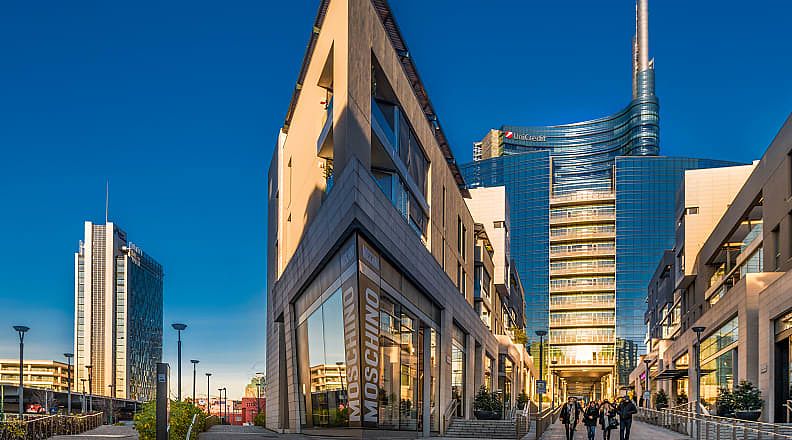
[(724, 404), (487, 406), (661, 399), (747, 401), (681, 399), (181, 414)]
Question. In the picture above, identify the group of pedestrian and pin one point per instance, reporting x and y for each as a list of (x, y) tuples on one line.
[(607, 415)]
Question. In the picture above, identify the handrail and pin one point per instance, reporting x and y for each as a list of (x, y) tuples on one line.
[(788, 406), (189, 430), (41, 427), (450, 409), (545, 419), (713, 427)]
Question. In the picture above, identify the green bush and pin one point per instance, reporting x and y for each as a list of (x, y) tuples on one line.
[(485, 401), (661, 399), (724, 404), (522, 400), (12, 430), (261, 419), (682, 398), (747, 397), (181, 414)]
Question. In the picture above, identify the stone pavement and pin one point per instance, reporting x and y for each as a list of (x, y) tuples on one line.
[(640, 431), (221, 432), (106, 432)]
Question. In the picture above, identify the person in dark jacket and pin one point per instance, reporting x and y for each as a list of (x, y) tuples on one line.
[(626, 409), (570, 416), (590, 418), (607, 420)]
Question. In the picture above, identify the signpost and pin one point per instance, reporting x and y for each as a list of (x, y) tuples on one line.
[(541, 387), (163, 371)]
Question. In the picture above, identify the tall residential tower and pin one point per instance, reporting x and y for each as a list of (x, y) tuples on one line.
[(118, 314)]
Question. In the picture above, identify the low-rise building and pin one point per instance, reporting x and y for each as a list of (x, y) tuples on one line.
[(46, 375), (736, 287)]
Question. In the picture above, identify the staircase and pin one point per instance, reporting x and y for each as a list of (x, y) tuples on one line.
[(500, 429)]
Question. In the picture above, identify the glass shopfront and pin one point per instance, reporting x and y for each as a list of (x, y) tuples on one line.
[(719, 361), (783, 366), (458, 349), (361, 342)]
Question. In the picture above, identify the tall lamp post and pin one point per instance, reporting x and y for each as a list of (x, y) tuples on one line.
[(541, 334), (195, 364), (647, 397), (225, 404), (698, 330), (208, 397), (21, 330), (220, 404), (90, 388), (83, 394), (69, 357), (179, 327)]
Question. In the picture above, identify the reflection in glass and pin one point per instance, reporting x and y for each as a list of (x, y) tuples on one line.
[(321, 339), (458, 370)]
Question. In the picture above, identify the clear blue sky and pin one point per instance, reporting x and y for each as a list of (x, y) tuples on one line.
[(179, 104)]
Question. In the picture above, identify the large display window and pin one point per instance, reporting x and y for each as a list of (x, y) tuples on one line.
[(362, 346)]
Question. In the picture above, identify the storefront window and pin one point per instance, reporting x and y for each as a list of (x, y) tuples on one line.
[(726, 335), (505, 379), (717, 374), (322, 334), (458, 369)]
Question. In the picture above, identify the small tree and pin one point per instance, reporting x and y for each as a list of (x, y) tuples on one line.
[(522, 400), (682, 398), (661, 399), (747, 397), (724, 404), (181, 414), (483, 400)]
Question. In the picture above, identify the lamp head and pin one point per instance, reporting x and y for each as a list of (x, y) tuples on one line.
[(178, 326), (21, 328), (698, 329), (541, 333), (208, 374), (68, 355), (194, 361)]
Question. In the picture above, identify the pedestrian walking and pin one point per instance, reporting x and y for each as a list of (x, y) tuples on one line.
[(590, 419), (570, 417), (626, 409), (608, 420)]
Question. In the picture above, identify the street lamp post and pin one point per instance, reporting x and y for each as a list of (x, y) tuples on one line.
[(208, 397), (698, 330), (110, 401), (179, 327), (21, 330), (69, 357), (225, 405), (90, 388), (195, 363), (541, 334), (220, 404), (648, 397), (83, 395)]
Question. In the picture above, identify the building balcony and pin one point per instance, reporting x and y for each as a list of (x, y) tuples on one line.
[(581, 338), (566, 303), (575, 218), (582, 198), (582, 286), (583, 269), (582, 253), (324, 143), (560, 361), (559, 236), (573, 321)]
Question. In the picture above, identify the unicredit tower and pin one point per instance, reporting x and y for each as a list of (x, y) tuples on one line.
[(592, 209)]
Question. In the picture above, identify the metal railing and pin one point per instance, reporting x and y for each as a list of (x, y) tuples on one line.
[(788, 408), (545, 419), (43, 427), (448, 415), (709, 427)]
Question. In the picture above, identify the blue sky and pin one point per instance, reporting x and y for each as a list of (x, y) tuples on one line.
[(179, 104)]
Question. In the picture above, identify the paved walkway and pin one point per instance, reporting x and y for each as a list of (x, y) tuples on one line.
[(106, 432), (640, 431), (222, 432)]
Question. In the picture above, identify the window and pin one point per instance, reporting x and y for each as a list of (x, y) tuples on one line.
[(461, 238), (443, 208), (692, 210), (776, 248), (460, 279)]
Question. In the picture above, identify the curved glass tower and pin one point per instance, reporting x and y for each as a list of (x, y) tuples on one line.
[(592, 205)]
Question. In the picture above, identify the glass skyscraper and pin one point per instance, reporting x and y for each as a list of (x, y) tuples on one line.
[(592, 210)]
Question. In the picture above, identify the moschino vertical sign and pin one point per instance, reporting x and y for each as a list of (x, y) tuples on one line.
[(361, 339)]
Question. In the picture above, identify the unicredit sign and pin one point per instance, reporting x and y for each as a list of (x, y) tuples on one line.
[(523, 137)]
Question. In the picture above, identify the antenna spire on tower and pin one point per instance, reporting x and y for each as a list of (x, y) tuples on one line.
[(107, 199)]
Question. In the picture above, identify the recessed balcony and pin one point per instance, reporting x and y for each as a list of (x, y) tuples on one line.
[(575, 235), (582, 198), (571, 218), (581, 253)]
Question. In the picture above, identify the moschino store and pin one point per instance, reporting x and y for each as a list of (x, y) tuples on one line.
[(367, 346)]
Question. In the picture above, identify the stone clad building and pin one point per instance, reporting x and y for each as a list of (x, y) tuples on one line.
[(374, 259)]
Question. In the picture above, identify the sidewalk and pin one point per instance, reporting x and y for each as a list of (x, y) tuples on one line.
[(640, 431)]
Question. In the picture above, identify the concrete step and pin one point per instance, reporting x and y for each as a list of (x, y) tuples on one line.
[(496, 429)]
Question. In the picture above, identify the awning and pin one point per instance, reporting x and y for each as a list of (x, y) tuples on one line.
[(672, 374)]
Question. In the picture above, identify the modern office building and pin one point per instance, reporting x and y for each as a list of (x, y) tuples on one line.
[(592, 208), (45, 375), (118, 314), (732, 276), (373, 253)]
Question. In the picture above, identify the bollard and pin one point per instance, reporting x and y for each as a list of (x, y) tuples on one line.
[(163, 401)]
